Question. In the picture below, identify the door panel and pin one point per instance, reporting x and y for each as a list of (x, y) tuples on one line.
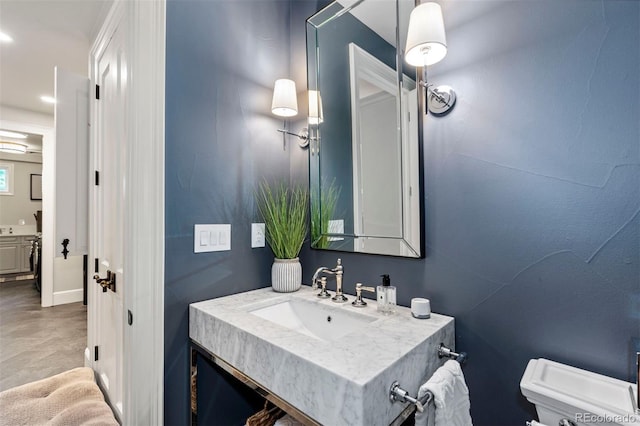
[(108, 215), (9, 258), (71, 161)]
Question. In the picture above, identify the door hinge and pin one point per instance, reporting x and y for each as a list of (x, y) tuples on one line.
[(95, 265), (97, 92), (95, 353), (97, 179)]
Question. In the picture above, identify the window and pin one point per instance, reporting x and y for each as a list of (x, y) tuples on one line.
[(6, 178)]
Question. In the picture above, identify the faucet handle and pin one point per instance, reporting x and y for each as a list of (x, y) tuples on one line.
[(359, 303), (324, 294)]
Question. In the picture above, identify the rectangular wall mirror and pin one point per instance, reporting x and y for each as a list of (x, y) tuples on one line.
[(366, 154)]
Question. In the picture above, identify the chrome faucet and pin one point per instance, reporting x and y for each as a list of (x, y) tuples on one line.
[(337, 272)]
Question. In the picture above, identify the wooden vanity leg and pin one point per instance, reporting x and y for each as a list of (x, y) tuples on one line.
[(193, 385)]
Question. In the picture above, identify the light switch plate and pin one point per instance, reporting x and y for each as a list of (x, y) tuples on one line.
[(216, 237), (257, 235)]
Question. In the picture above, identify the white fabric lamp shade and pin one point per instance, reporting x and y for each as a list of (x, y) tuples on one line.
[(315, 107), (285, 101), (426, 39)]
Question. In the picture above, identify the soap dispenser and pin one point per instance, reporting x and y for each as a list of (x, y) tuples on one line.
[(386, 296)]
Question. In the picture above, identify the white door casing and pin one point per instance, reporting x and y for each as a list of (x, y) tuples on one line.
[(411, 170), (385, 157), (138, 27)]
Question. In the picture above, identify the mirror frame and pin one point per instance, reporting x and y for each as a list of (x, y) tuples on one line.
[(313, 24)]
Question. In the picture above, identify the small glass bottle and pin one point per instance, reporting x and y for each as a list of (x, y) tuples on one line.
[(386, 294)]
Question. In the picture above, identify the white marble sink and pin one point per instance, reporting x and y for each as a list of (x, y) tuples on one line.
[(317, 320), (335, 375)]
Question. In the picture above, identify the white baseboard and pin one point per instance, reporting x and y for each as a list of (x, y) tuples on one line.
[(67, 296)]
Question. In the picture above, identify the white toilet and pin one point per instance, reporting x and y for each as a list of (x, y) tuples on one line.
[(579, 396)]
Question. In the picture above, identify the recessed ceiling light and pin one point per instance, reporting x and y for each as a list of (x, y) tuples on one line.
[(5, 38), (48, 99), (14, 135), (13, 148)]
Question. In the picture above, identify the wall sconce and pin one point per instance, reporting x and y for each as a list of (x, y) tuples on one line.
[(285, 104), (13, 147), (427, 45)]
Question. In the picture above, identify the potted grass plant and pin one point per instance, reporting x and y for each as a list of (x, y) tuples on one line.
[(284, 211), (323, 209)]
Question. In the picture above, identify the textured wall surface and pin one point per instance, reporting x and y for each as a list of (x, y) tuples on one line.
[(533, 195), (532, 183), (222, 60)]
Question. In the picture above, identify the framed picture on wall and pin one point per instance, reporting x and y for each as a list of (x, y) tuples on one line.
[(36, 187), (6, 178)]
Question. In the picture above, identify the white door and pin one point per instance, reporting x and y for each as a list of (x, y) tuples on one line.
[(71, 166), (107, 224), (71, 163), (126, 210)]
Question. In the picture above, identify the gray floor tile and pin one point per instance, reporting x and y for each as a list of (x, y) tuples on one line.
[(37, 342)]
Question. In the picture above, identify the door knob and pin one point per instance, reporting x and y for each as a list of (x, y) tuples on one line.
[(106, 283), (65, 251)]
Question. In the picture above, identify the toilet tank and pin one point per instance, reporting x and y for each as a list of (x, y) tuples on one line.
[(587, 399)]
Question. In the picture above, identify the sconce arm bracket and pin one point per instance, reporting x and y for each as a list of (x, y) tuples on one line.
[(440, 99), (303, 136)]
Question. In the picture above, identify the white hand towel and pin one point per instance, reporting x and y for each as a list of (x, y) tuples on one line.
[(451, 397)]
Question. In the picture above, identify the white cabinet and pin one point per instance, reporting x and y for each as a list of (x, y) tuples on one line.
[(25, 249), (9, 255), (14, 254)]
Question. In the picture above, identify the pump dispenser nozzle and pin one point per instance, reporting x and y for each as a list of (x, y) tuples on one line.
[(386, 295)]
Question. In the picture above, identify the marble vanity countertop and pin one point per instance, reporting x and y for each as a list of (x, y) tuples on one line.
[(345, 381), (17, 230)]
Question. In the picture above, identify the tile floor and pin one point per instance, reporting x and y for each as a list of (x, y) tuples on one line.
[(37, 342)]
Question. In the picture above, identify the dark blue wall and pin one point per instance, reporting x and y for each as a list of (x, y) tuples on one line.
[(532, 195), (532, 183), (222, 60)]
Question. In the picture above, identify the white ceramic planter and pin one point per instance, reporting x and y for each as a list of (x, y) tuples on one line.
[(286, 275)]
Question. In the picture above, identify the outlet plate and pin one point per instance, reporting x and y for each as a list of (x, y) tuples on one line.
[(257, 235)]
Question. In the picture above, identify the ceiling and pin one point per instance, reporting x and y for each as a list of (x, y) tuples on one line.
[(46, 34), (32, 141)]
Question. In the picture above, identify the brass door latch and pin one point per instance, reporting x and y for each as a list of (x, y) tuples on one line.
[(107, 283)]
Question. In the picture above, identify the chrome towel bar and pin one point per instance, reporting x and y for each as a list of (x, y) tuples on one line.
[(444, 351), (396, 393)]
